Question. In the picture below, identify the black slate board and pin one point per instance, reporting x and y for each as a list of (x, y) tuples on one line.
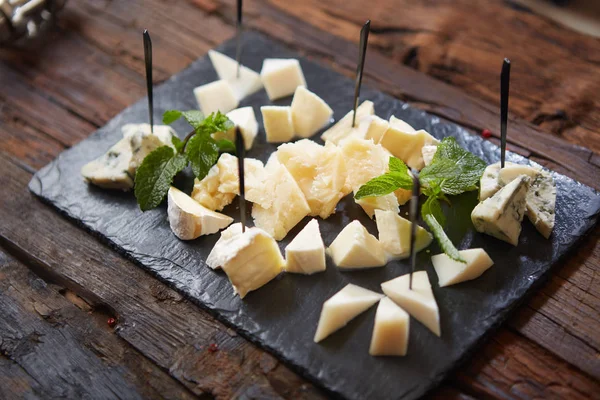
[(282, 316)]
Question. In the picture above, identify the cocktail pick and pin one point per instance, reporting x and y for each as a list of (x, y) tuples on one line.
[(238, 52), (414, 212), (362, 51), (148, 62), (504, 85), (240, 150)]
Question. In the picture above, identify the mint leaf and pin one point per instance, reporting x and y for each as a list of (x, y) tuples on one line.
[(397, 165), (433, 207), (171, 116), (442, 239), (177, 143), (155, 175), (226, 146), (203, 153), (396, 178), (215, 122), (193, 117)]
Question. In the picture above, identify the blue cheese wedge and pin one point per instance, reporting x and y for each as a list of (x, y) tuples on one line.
[(501, 215), (541, 202), (111, 170), (144, 142)]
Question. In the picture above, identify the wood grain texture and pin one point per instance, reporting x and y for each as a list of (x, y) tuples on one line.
[(92, 67)]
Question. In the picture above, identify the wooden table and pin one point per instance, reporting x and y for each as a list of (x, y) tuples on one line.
[(59, 286)]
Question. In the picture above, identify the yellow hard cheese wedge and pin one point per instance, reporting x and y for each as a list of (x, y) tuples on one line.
[(281, 76), (309, 112), (394, 234), (244, 83), (189, 219), (418, 302), (343, 128), (320, 172), (245, 119), (250, 259), (371, 205), (405, 144), (355, 247), (342, 307), (450, 272), (278, 123), (216, 96), (306, 253), (390, 333)]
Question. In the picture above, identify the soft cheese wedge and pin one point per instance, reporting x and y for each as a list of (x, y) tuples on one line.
[(309, 112), (451, 272), (250, 259), (111, 170), (343, 128), (306, 253), (214, 259), (541, 203), (390, 333), (394, 234), (245, 119), (278, 123), (405, 144), (501, 215), (342, 307), (320, 172), (281, 77), (216, 96), (355, 247), (243, 84), (189, 220), (418, 302)]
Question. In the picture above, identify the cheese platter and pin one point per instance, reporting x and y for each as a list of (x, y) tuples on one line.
[(282, 311)]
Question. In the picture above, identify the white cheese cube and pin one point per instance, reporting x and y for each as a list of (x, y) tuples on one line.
[(306, 253), (111, 170), (394, 234), (309, 112), (250, 260), (375, 127), (248, 81), (188, 219), (418, 302), (407, 146), (284, 204), (279, 126), (390, 333), (245, 119), (354, 247), (320, 172), (428, 152), (216, 96), (541, 203), (501, 215), (342, 307), (343, 127), (370, 205), (281, 77), (401, 125), (451, 272)]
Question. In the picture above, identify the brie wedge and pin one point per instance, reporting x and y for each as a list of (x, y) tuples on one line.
[(418, 302), (309, 112), (451, 272), (306, 253), (243, 84), (188, 219), (354, 247), (245, 119), (214, 259), (343, 127), (216, 96), (342, 307), (394, 235), (278, 123), (281, 77), (390, 333)]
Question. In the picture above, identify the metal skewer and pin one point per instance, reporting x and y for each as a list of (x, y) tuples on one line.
[(240, 150), (362, 51), (414, 212), (148, 62), (238, 52), (504, 85)]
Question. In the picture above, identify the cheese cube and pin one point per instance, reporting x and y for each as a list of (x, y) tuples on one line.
[(216, 96), (541, 202), (501, 215), (306, 253), (188, 219), (320, 172), (278, 123), (375, 127), (428, 153), (112, 169), (281, 77), (355, 247), (248, 81), (407, 146), (394, 234), (401, 125), (309, 112), (343, 127), (245, 119), (342, 307), (250, 260), (451, 272), (214, 259), (390, 333), (387, 202), (284, 204), (418, 302)]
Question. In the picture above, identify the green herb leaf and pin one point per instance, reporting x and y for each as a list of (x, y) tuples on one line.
[(396, 178), (226, 146), (155, 175), (443, 240), (215, 122), (193, 117), (178, 143), (433, 207), (203, 153), (171, 116)]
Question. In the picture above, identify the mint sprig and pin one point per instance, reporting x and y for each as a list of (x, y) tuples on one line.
[(396, 177), (158, 169)]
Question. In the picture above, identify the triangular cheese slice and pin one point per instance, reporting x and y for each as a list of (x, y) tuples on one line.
[(390, 333), (343, 128), (306, 253), (248, 81), (355, 247), (394, 234), (342, 308), (450, 272), (418, 302)]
